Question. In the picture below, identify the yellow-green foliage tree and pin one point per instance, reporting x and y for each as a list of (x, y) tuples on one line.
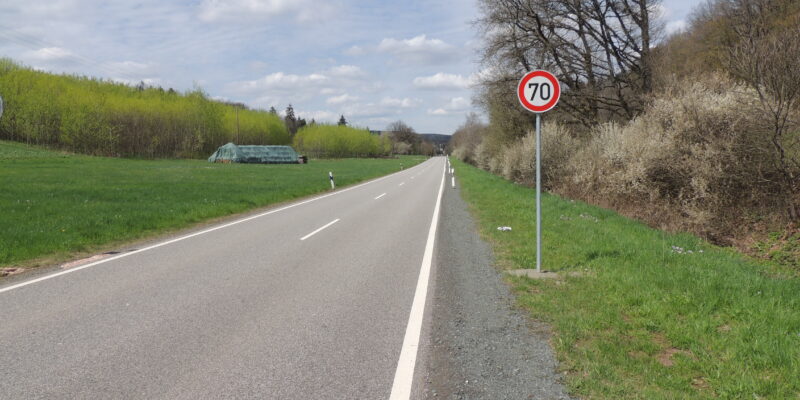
[(337, 141), (94, 116)]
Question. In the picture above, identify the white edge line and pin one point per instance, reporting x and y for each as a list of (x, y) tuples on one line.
[(404, 375), (319, 229), (380, 196), (157, 245)]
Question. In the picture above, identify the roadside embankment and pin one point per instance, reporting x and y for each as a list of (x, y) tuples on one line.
[(639, 313)]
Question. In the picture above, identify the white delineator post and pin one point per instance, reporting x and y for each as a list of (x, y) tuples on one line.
[(330, 175)]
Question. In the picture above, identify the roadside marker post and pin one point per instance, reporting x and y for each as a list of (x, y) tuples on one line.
[(330, 175), (538, 92)]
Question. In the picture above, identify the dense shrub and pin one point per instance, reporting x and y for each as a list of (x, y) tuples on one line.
[(336, 141), (694, 153), (99, 117), (518, 161)]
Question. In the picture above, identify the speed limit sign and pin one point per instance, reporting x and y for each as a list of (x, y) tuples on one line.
[(538, 91)]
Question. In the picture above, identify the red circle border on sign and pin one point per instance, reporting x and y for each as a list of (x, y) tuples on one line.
[(527, 104)]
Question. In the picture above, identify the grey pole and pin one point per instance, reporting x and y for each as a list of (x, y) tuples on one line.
[(538, 193)]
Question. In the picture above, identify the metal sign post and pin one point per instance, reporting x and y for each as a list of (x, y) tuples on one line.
[(538, 192), (538, 91)]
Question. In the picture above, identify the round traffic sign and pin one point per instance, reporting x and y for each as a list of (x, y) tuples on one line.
[(538, 91)]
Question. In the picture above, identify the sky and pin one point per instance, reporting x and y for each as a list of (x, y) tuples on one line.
[(375, 62)]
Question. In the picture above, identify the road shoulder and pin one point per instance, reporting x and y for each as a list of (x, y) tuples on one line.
[(478, 345)]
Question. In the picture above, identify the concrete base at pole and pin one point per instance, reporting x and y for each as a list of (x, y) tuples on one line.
[(531, 273)]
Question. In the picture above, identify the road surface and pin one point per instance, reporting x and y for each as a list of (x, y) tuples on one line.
[(309, 301)]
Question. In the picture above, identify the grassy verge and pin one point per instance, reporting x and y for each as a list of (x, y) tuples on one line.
[(640, 313), (53, 205)]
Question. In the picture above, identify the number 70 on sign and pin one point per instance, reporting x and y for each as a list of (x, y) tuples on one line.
[(538, 91)]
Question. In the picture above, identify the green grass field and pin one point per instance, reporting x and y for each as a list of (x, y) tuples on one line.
[(635, 317), (54, 205)]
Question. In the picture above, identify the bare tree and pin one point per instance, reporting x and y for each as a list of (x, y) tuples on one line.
[(600, 50), (468, 136), (403, 133), (768, 61)]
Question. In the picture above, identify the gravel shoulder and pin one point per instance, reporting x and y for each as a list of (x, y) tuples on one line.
[(477, 344)]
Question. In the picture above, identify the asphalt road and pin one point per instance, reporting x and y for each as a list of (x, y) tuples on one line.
[(244, 310)]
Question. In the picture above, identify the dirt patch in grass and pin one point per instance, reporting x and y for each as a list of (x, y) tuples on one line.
[(700, 384), (10, 271), (665, 357)]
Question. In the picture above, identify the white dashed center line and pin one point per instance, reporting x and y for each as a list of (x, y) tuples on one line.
[(318, 230)]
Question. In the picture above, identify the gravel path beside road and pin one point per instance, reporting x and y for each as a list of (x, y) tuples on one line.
[(480, 345)]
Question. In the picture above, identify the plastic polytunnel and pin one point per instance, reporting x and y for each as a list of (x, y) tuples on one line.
[(231, 153)]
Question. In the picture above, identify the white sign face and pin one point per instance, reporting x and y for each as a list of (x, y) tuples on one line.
[(538, 91)]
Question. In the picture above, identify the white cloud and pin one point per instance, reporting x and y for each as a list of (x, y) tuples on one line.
[(400, 103), (345, 98), (259, 10), (355, 51), (660, 11), (331, 86), (454, 106), (131, 71), (346, 71), (281, 81), (419, 50), (676, 26), (458, 103), (50, 54), (129, 66), (390, 108), (443, 81)]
